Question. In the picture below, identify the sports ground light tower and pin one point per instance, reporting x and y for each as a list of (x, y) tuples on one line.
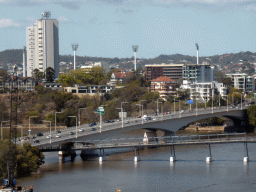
[(197, 47), (75, 47), (135, 49)]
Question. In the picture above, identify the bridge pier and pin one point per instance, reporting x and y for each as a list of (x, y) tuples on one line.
[(173, 157), (88, 153), (136, 158), (63, 154), (209, 159), (102, 156), (246, 158)]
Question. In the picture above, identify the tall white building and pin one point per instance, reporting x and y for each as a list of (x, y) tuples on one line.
[(43, 45), (242, 81)]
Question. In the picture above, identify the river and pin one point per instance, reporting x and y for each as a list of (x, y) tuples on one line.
[(226, 172)]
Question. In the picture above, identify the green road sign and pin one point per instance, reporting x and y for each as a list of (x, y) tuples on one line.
[(100, 112)]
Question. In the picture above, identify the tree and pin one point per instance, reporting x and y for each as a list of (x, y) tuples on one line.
[(37, 75), (3, 77), (251, 112), (50, 75)]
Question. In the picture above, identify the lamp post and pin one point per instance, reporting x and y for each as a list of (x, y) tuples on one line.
[(76, 123), (123, 109), (79, 114), (142, 107), (162, 109), (2, 128), (141, 113), (179, 108), (122, 117), (29, 130), (50, 129), (56, 120), (75, 47), (157, 106), (101, 118), (212, 100)]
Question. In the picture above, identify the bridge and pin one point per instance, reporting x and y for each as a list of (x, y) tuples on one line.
[(167, 123)]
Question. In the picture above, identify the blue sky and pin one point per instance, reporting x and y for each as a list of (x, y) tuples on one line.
[(108, 28)]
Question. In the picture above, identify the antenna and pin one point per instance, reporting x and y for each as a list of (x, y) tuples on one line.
[(74, 47), (135, 49), (46, 15), (197, 47)]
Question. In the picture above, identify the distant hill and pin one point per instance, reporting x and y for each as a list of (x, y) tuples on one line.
[(15, 56)]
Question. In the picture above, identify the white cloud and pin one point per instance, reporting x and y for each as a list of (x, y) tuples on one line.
[(8, 23)]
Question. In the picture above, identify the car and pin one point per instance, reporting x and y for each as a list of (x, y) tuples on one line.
[(40, 134), (33, 137), (93, 129), (139, 116), (90, 125), (48, 136), (94, 123), (126, 122), (154, 119), (135, 121), (118, 120), (71, 133), (107, 121), (81, 130), (58, 131), (36, 141), (58, 136)]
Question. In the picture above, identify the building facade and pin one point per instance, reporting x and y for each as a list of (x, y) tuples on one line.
[(164, 86), (242, 81), (172, 71), (23, 83), (199, 73), (90, 90), (43, 45)]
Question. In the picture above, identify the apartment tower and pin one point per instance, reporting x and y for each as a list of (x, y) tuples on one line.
[(43, 45)]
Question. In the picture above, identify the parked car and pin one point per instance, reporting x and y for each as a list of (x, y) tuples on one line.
[(40, 134), (93, 129), (58, 136), (36, 141), (81, 130)]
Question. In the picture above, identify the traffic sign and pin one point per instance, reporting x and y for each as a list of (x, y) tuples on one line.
[(100, 111), (190, 101)]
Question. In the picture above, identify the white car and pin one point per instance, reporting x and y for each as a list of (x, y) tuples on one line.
[(48, 136), (58, 135), (81, 130), (126, 122)]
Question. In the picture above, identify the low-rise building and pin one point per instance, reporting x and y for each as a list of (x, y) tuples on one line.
[(23, 83), (119, 78), (164, 85), (242, 81)]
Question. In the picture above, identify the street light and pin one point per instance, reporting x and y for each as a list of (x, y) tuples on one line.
[(157, 106), (142, 108), (56, 120), (75, 47), (141, 113), (212, 100), (50, 129), (79, 115), (76, 123), (162, 109), (2, 128), (29, 130)]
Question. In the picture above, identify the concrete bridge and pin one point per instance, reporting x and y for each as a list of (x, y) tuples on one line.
[(166, 123)]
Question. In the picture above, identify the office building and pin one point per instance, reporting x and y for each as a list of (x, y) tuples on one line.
[(242, 81), (43, 45)]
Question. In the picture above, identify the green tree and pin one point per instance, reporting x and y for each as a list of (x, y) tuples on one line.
[(3, 77), (50, 75), (251, 112), (37, 75)]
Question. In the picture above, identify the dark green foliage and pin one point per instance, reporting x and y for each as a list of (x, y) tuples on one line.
[(60, 99), (50, 75), (251, 112)]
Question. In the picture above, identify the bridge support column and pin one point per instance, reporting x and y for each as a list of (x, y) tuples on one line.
[(102, 156), (246, 159), (173, 157), (209, 159), (136, 157)]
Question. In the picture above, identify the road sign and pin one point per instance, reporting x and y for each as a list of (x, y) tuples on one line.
[(100, 111), (190, 101)]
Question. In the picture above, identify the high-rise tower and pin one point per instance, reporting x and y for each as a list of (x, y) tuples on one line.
[(43, 45)]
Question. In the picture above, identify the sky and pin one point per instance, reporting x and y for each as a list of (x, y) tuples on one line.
[(108, 28)]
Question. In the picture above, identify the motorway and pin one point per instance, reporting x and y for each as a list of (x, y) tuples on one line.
[(65, 133)]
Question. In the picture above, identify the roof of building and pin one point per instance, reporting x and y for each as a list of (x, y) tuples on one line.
[(164, 65), (120, 75), (161, 79)]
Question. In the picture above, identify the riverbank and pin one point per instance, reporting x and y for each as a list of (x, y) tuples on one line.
[(208, 128)]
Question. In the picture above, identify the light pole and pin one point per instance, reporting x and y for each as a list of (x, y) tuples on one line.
[(76, 123), (79, 116), (197, 47), (212, 100), (122, 117), (219, 100), (179, 108), (142, 107), (29, 130), (101, 117), (157, 106), (123, 110), (2, 128), (162, 109), (50, 129), (75, 47), (141, 113), (135, 49), (56, 120)]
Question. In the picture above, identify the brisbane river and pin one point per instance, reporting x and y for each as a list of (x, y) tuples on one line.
[(226, 172)]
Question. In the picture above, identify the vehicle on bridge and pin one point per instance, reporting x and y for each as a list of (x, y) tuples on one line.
[(81, 130), (71, 133), (40, 134), (93, 129), (58, 136)]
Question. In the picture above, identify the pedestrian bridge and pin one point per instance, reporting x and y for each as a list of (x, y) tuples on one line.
[(166, 123)]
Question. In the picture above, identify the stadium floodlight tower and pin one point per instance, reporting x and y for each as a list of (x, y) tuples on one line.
[(46, 15), (24, 65), (197, 47), (135, 49), (75, 47)]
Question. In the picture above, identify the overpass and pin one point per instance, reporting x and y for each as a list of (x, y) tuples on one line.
[(167, 123)]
